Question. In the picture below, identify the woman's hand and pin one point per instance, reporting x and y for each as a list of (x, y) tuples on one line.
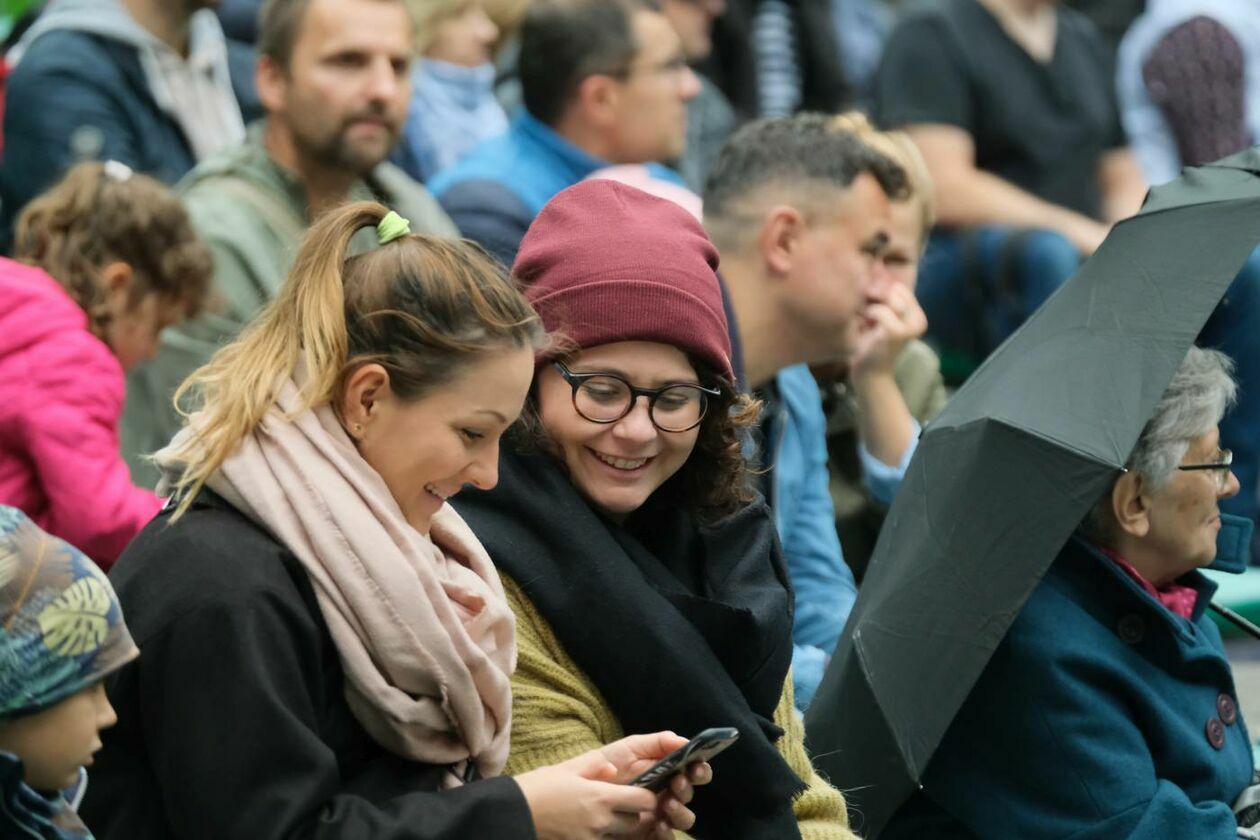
[(587, 797), (637, 753)]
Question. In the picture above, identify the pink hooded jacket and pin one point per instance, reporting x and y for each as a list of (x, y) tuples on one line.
[(61, 394)]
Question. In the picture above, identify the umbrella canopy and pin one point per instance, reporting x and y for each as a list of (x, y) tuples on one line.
[(1005, 473)]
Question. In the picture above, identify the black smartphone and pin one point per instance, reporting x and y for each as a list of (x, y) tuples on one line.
[(703, 747)]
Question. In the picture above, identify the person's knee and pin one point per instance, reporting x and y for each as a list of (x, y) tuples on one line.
[(1048, 259)]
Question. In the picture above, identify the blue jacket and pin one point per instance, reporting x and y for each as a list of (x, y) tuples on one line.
[(806, 519), (495, 191), (77, 95), (1101, 715)]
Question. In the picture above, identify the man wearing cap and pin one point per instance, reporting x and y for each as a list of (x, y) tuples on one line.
[(800, 214), (334, 76), (604, 82)]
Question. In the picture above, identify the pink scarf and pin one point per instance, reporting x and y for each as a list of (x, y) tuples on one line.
[(424, 631)]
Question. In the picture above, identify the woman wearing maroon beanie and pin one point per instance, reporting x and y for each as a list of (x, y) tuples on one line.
[(642, 567)]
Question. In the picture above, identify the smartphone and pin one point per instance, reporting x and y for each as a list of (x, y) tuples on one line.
[(703, 747)]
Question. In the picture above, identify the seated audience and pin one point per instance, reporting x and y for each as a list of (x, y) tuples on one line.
[(604, 82), (1109, 709), (107, 260), (327, 647), (710, 117), (1189, 82), (453, 106), (63, 634), (643, 570), (324, 141), (773, 58), (801, 215), (1011, 105), (152, 84), (854, 413)]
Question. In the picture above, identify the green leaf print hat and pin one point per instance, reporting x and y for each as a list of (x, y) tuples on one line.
[(61, 628)]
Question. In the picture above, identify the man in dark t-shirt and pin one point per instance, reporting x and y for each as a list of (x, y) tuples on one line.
[(1015, 113), (1014, 109)]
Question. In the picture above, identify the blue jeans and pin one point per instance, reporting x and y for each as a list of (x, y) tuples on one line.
[(978, 285)]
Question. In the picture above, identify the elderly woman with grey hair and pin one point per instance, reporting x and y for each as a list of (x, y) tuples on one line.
[(1109, 709)]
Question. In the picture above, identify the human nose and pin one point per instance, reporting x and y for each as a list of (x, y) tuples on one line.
[(1230, 486), (487, 29), (383, 80), (689, 83), (637, 424), (105, 714), (483, 473)]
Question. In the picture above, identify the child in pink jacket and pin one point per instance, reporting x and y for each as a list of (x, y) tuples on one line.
[(107, 260)]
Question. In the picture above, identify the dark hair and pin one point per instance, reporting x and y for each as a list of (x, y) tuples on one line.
[(422, 307), (101, 212), (566, 41), (803, 149), (279, 22), (716, 479)]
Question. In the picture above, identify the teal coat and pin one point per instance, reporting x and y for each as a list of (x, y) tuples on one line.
[(1101, 715)]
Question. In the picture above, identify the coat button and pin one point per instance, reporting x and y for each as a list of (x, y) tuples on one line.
[(1215, 733), (1227, 709), (1131, 629)]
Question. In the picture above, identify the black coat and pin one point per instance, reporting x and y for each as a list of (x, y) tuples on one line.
[(233, 722)]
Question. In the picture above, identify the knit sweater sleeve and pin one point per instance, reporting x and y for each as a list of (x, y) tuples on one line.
[(557, 713), (821, 812)]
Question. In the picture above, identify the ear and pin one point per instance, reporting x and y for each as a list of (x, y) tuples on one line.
[(271, 82), (117, 277), (1130, 506), (597, 98), (365, 390), (780, 237)]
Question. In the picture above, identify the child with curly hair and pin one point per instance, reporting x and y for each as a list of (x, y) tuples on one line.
[(105, 261)]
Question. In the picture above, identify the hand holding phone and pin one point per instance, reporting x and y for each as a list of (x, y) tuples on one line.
[(703, 747)]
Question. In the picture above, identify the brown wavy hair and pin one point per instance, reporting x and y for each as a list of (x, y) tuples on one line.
[(101, 213), (422, 307), (716, 478)]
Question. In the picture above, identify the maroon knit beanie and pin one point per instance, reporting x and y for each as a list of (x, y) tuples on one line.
[(605, 262)]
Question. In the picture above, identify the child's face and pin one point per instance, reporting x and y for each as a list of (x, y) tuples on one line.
[(56, 742)]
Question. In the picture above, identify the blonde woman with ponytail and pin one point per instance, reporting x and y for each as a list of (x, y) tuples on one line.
[(327, 647)]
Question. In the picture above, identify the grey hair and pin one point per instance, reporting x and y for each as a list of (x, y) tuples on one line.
[(1196, 399)]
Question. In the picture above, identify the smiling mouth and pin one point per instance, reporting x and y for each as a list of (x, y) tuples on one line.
[(432, 490), (624, 464)]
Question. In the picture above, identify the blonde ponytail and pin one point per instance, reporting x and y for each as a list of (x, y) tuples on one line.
[(419, 306)]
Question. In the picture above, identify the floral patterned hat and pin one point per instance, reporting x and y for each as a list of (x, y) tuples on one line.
[(61, 628)]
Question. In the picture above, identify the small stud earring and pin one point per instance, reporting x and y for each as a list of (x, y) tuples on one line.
[(358, 428)]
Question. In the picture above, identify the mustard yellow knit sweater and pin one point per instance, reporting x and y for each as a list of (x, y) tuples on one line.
[(557, 713)]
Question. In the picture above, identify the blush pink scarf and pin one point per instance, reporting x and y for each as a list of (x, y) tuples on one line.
[(421, 623)]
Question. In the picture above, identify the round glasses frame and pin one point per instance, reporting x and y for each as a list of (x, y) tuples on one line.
[(577, 380)]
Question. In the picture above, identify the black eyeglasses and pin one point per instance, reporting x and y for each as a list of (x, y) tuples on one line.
[(1222, 464), (607, 397)]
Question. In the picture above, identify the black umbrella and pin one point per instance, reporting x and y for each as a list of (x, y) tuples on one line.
[(1003, 476)]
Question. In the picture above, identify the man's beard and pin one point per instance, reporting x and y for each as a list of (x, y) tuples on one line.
[(337, 152)]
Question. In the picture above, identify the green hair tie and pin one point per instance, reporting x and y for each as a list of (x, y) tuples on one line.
[(391, 227)]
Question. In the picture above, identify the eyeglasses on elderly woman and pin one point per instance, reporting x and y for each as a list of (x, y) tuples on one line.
[(1220, 465), (607, 397)]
